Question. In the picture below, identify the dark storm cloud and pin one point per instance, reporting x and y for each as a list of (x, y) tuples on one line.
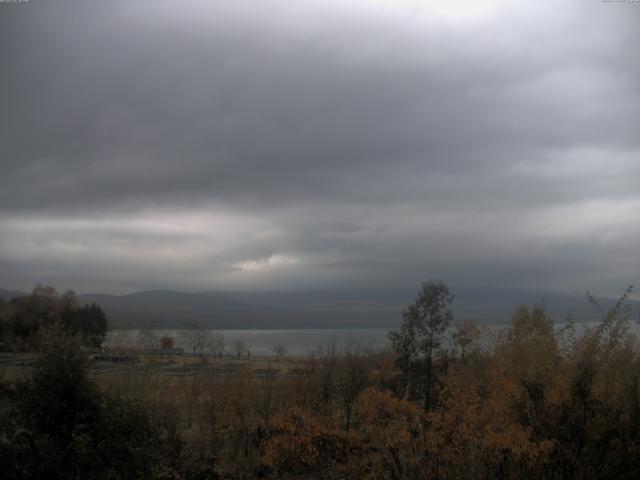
[(317, 143)]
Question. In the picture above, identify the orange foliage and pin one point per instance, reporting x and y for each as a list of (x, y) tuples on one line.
[(166, 342), (301, 442), (384, 444), (468, 432)]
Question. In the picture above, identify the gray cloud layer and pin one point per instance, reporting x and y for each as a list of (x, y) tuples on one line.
[(284, 144)]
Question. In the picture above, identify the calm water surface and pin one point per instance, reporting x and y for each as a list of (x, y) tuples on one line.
[(298, 342), (261, 342)]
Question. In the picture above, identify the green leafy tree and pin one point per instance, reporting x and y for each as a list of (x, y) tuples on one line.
[(79, 432), (60, 394), (93, 324), (420, 336)]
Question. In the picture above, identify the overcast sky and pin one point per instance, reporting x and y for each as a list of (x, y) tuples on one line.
[(287, 144)]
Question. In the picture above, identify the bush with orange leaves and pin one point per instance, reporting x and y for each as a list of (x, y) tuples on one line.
[(302, 443), (387, 443), (471, 437)]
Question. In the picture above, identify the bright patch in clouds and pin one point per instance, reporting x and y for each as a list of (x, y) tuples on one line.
[(463, 8), (267, 263), (606, 221), (456, 9)]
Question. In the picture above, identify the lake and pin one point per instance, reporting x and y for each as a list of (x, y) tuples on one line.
[(297, 342), (261, 342)]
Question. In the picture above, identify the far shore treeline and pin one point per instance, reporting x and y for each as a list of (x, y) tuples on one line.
[(443, 402), (22, 317)]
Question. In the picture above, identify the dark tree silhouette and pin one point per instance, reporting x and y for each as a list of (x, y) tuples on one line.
[(420, 336)]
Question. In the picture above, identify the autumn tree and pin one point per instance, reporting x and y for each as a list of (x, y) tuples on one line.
[(243, 399), (326, 376), (465, 336), (279, 351), (599, 401), (420, 336), (352, 381), (389, 437), (240, 347), (528, 351), (217, 343), (191, 387), (471, 437), (195, 337), (147, 339), (302, 443), (166, 342)]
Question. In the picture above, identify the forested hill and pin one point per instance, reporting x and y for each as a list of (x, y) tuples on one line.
[(314, 309)]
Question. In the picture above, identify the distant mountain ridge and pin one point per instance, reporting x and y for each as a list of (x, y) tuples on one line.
[(7, 295), (315, 308), (171, 309)]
